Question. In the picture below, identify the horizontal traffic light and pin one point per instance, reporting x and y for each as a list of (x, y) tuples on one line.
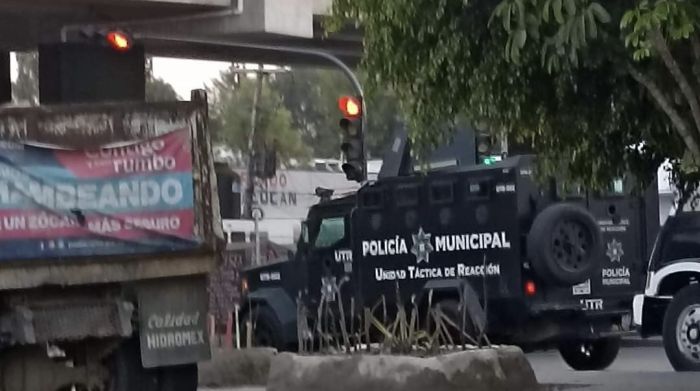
[(119, 40), (116, 39)]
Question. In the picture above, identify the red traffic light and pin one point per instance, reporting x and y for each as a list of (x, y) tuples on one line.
[(119, 40), (350, 106)]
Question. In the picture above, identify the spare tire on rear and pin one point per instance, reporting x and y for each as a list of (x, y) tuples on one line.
[(564, 244)]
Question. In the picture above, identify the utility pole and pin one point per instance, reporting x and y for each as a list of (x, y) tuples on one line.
[(250, 185)]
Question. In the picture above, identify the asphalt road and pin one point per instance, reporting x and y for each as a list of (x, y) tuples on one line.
[(636, 369)]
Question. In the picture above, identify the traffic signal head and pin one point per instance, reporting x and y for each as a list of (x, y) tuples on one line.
[(350, 106), (487, 152), (352, 145), (118, 40)]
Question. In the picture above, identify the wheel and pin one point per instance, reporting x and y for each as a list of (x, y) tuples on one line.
[(451, 309), (681, 329), (590, 355), (564, 244), (267, 330), (178, 378), (128, 374)]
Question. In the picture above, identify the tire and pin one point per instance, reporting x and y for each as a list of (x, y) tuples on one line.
[(178, 378), (681, 329), (590, 355), (267, 330), (564, 244), (128, 374)]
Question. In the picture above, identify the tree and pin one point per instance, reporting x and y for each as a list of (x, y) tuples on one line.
[(311, 95), (232, 104), (157, 89), (25, 89), (598, 89)]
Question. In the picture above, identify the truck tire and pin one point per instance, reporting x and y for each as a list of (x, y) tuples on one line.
[(128, 374), (126, 371), (178, 378), (590, 355), (267, 330), (681, 329), (564, 244)]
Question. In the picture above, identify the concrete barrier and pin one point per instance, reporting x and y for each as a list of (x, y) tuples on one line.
[(233, 368), (502, 368)]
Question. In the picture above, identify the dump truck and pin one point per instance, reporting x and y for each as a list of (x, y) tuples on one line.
[(109, 224)]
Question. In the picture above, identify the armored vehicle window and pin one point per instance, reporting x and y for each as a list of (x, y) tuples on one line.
[(442, 192), (681, 245), (331, 231), (407, 195)]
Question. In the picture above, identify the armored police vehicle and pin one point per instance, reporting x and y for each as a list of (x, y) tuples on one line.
[(548, 268)]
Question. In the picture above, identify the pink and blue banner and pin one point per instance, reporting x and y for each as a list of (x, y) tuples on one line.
[(128, 199)]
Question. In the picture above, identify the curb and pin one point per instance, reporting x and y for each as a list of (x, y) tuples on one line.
[(502, 368), (236, 368)]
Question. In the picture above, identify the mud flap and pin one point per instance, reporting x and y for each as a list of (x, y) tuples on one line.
[(172, 321)]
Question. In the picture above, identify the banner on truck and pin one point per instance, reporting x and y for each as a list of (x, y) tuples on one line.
[(127, 199)]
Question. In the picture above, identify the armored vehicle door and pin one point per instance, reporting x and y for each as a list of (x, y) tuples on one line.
[(622, 218), (329, 257)]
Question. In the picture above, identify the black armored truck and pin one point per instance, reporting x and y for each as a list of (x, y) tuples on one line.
[(548, 267)]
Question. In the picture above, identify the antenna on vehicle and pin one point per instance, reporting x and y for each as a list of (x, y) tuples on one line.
[(397, 157)]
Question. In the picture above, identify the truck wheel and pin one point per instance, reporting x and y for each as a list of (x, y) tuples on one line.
[(267, 330), (590, 355), (128, 374), (564, 244), (126, 371), (178, 378), (681, 329)]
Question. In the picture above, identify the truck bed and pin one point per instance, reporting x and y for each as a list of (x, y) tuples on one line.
[(91, 128)]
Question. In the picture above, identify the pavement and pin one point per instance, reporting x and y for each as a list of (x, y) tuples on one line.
[(639, 367)]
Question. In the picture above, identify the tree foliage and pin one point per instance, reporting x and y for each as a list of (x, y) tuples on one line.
[(311, 95), (25, 89), (598, 89), (232, 104), (157, 89)]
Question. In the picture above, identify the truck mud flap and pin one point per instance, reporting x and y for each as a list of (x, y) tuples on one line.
[(172, 321)]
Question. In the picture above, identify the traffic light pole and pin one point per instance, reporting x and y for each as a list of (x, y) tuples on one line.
[(356, 85), (250, 181)]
